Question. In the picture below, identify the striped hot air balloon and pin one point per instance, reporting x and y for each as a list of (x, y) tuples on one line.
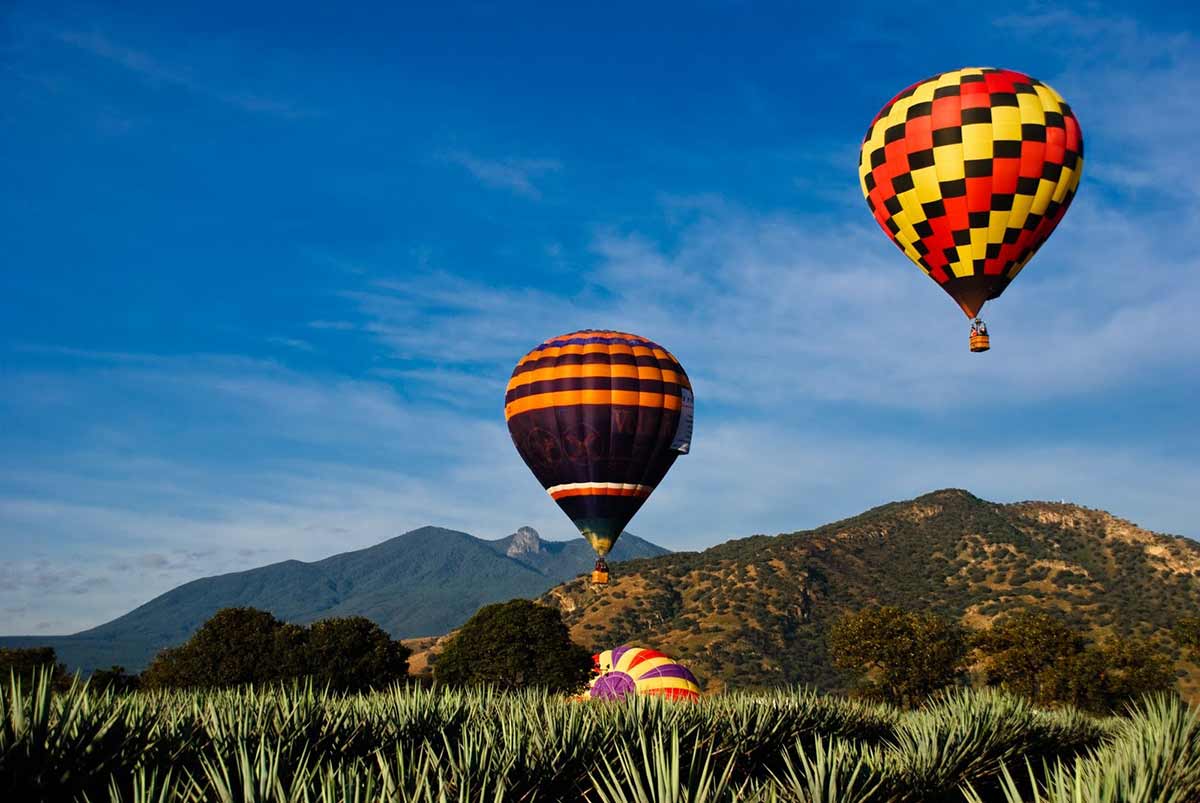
[(968, 173), (599, 417), (640, 671)]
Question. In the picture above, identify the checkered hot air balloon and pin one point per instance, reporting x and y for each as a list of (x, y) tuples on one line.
[(639, 671), (599, 417), (968, 173)]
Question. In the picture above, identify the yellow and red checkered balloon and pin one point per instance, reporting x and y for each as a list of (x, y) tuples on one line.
[(968, 173)]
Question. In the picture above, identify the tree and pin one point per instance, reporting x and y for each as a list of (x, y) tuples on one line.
[(1102, 678), (1019, 649), (514, 645), (354, 654), (246, 645), (1187, 633), (114, 678), (903, 656), (237, 645), (23, 664), (1036, 655)]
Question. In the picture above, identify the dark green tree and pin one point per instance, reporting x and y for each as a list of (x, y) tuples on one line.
[(514, 645), (246, 645), (902, 657), (1020, 648), (1103, 678), (237, 645), (354, 654), (292, 659), (114, 678), (23, 664), (1187, 634)]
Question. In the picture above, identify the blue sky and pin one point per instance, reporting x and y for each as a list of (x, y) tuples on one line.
[(266, 269)]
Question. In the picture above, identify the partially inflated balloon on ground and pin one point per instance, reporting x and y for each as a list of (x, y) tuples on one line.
[(639, 671)]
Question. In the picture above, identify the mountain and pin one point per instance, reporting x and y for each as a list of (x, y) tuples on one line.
[(424, 582), (756, 611)]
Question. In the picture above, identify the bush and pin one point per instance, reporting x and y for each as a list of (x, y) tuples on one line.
[(902, 657), (24, 664), (514, 645), (246, 645)]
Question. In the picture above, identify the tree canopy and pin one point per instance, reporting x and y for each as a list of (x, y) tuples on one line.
[(1035, 654), (22, 664), (354, 654), (514, 645), (1187, 633), (115, 678), (902, 656), (1020, 648), (246, 645)]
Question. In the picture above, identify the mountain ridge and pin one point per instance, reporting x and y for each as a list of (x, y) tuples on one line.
[(422, 582)]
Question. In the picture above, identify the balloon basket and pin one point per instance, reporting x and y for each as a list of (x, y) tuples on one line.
[(980, 343), (599, 578)]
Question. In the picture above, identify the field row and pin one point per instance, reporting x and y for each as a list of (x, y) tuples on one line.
[(407, 744)]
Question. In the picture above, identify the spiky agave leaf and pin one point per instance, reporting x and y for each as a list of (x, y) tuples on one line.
[(961, 737), (654, 770), (827, 771), (62, 746), (242, 776)]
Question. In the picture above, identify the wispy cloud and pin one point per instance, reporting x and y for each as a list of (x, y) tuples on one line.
[(157, 72), (321, 465), (740, 295), (1132, 87), (291, 342), (339, 326), (518, 176), (359, 465)]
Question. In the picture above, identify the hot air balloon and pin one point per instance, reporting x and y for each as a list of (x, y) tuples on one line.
[(968, 172), (599, 417), (639, 671)]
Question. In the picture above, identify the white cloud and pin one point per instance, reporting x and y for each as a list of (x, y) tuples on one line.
[(515, 175), (126, 524), (1132, 88), (291, 342), (765, 310), (308, 467), (156, 72)]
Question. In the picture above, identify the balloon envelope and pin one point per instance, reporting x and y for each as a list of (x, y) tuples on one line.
[(599, 417), (640, 671), (968, 173)]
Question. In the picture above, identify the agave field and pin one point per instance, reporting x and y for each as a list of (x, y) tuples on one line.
[(408, 744)]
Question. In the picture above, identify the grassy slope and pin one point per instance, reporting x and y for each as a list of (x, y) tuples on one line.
[(756, 611)]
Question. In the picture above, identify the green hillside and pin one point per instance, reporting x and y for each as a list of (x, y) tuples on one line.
[(756, 611)]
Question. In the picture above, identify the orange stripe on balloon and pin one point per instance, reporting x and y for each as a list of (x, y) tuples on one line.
[(600, 492), (616, 371), (572, 398)]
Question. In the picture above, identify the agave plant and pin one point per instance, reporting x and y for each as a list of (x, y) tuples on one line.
[(658, 770), (62, 746), (146, 786), (412, 745), (958, 738), (831, 771)]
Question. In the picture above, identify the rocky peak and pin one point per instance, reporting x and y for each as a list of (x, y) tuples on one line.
[(525, 541)]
